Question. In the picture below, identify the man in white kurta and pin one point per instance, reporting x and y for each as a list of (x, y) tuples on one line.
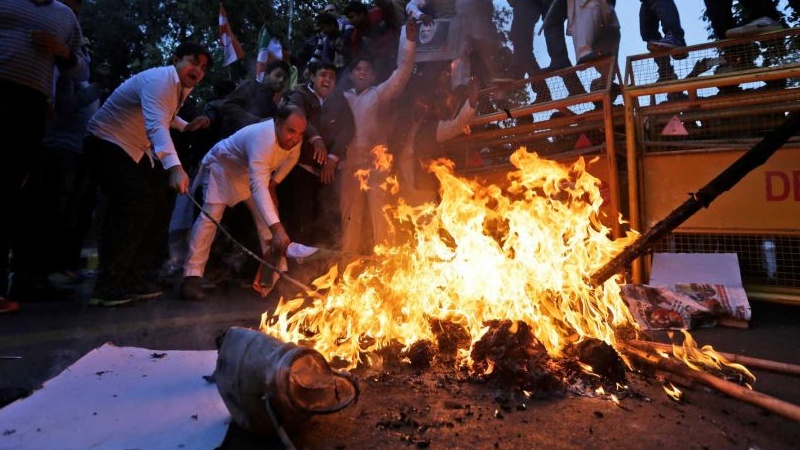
[(244, 167), (368, 102)]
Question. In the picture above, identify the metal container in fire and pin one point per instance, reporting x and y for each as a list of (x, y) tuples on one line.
[(267, 384)]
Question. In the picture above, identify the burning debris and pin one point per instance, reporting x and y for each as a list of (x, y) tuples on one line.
[(495, 281), (519, 253), (510, 352)]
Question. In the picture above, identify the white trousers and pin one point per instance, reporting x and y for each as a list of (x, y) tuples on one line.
[(204, 230)]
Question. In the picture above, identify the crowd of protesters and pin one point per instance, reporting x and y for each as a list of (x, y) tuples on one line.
[(303, 159)]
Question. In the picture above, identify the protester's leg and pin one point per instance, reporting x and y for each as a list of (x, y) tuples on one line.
[(648, 22), (120, 181), (353, 205), (481, 34), (755, 9), (720, 15), (264, 233), (298, 204), (554, 35), (668, 15), (376, 201), (27, 213), (83, 202), (22, 119), (155, 210), (203, 232), (525, 16)]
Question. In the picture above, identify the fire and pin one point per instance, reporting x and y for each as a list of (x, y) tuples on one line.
[(521, 253), (705, 357), (673, 392)]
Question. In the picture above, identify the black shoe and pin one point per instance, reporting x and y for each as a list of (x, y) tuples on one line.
[(192, 289), (667, 43)]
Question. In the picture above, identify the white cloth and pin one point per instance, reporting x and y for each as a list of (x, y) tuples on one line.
[(204, 230), (239, 168), (593, 26), (140, 112), (122, 397), (242, 165)]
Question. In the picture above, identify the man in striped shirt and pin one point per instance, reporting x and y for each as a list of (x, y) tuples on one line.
[(36, 36)]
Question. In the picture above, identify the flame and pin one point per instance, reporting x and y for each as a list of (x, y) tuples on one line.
[(521, 252), (674, 393), (382, 162), (699, 357), (382, 158), (589, 370)]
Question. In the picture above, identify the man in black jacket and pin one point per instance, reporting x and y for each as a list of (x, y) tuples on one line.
[(308, 202)]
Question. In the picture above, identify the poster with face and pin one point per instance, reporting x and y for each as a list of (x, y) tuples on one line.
[(439, 41)]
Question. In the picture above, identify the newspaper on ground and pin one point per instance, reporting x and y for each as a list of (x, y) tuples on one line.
[(689, 290), (685, 306)]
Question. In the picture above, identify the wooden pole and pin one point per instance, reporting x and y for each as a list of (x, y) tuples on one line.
[(749, 362), (771, 404), (727, 179)]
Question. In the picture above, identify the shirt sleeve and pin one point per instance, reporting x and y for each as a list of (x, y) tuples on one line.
[(448, 129), (394, 85), (260, 172), (159, 105), (287, 165), (414, 8)]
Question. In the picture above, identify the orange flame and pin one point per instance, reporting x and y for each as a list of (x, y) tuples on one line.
[(674, 393), (699, 357), (521, 252), (383, 159), (363, 176)]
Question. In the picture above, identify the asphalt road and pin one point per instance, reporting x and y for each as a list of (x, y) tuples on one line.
[(44, 338)]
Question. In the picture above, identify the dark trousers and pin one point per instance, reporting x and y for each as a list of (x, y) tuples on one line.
[(69, 197), (554, 33), (526, 14), (298, 199), (655, 12), (23, 113), (136, 203)]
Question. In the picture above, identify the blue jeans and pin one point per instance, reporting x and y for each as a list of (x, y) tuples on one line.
[(526, 14), (664, 11)]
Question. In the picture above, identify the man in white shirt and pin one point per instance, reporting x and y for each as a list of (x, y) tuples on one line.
[(369, 104), (244, 167), (133, 159)]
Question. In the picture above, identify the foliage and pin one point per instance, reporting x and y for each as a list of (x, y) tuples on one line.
[(130, 36)]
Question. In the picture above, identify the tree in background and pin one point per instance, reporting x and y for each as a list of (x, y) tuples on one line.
[(130, 36)]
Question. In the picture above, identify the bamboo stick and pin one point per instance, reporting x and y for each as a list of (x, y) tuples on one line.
[(749, 362), (771, 404)]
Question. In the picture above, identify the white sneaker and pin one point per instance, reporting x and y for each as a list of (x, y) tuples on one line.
[(758, 26)]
